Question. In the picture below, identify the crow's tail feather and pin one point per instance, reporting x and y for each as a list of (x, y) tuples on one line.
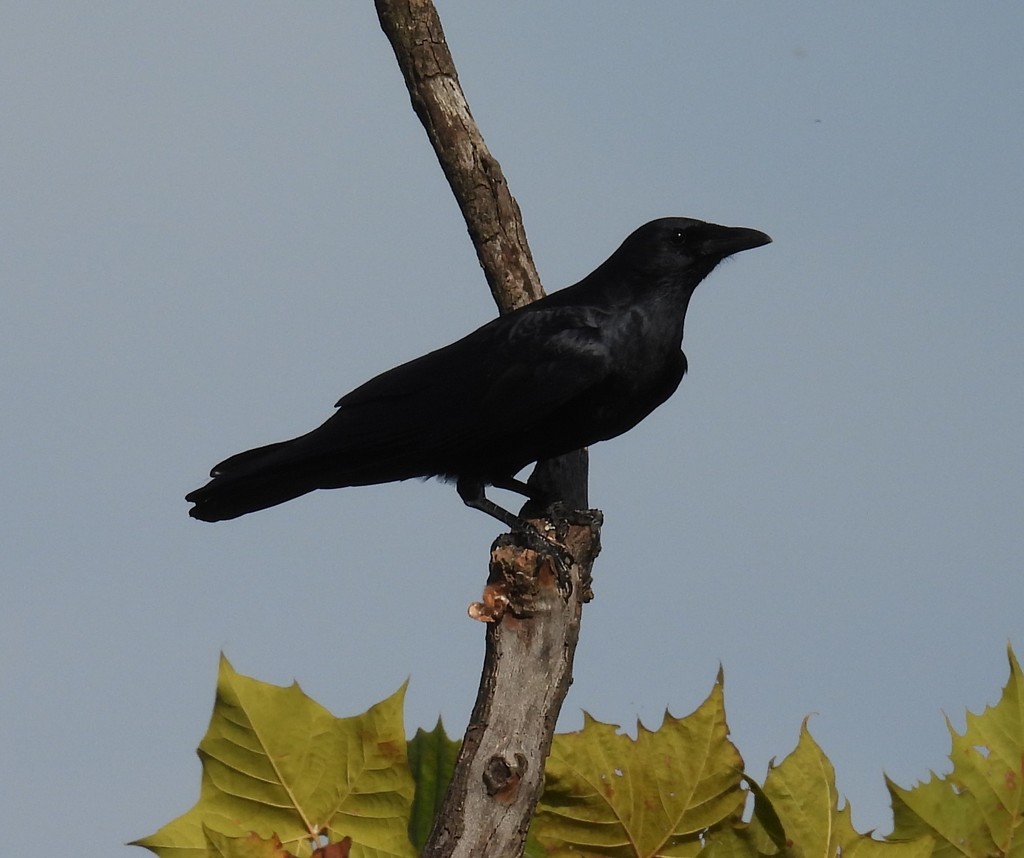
[(250, 460), (247, 482), (220, 500)]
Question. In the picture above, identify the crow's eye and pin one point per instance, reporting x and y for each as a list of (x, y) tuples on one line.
[(678, 237)]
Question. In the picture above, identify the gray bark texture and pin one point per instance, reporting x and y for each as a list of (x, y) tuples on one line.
[(531, 606)]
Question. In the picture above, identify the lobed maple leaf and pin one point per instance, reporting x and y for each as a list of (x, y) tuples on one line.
[(278, 765), (608, 794), (978, 809)]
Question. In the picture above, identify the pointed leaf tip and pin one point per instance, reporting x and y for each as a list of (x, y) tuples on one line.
[(277, 764), (978, 809), (608, 793)]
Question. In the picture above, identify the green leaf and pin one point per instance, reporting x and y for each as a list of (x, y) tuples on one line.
[(278, 764), (738, 839), (978, 809), (797, 815), (854, 845), (731, 842), (250, 846), (431, 761), (607, 794), (802, 792)]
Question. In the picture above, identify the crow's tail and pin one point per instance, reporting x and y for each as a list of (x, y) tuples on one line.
[(250, 481)]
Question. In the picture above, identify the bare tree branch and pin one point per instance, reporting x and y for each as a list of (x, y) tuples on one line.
[(491, 213), (533, 613)]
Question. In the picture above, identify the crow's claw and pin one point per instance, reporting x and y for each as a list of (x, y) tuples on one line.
[(561, 558)]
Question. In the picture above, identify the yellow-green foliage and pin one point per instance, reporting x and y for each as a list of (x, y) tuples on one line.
[(282, 776)]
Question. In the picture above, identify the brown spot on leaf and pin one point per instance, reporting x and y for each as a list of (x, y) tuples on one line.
[(338, 849)]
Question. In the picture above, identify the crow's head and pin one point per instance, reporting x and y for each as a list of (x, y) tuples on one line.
[(674, 248)]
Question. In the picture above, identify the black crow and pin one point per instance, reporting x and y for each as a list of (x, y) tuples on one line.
[(579, 366)]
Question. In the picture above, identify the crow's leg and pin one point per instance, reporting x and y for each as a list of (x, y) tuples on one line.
[(472, 494), (511, 484)]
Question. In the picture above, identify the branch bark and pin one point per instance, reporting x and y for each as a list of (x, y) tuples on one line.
[(490, 211), (533, 613)]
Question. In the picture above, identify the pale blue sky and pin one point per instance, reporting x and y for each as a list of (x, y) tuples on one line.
[(218, 218)]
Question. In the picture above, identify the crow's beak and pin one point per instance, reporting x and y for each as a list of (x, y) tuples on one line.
[(727, 240)]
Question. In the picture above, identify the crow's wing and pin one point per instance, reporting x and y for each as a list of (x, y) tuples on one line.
[(456, 407), (484, 407)]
